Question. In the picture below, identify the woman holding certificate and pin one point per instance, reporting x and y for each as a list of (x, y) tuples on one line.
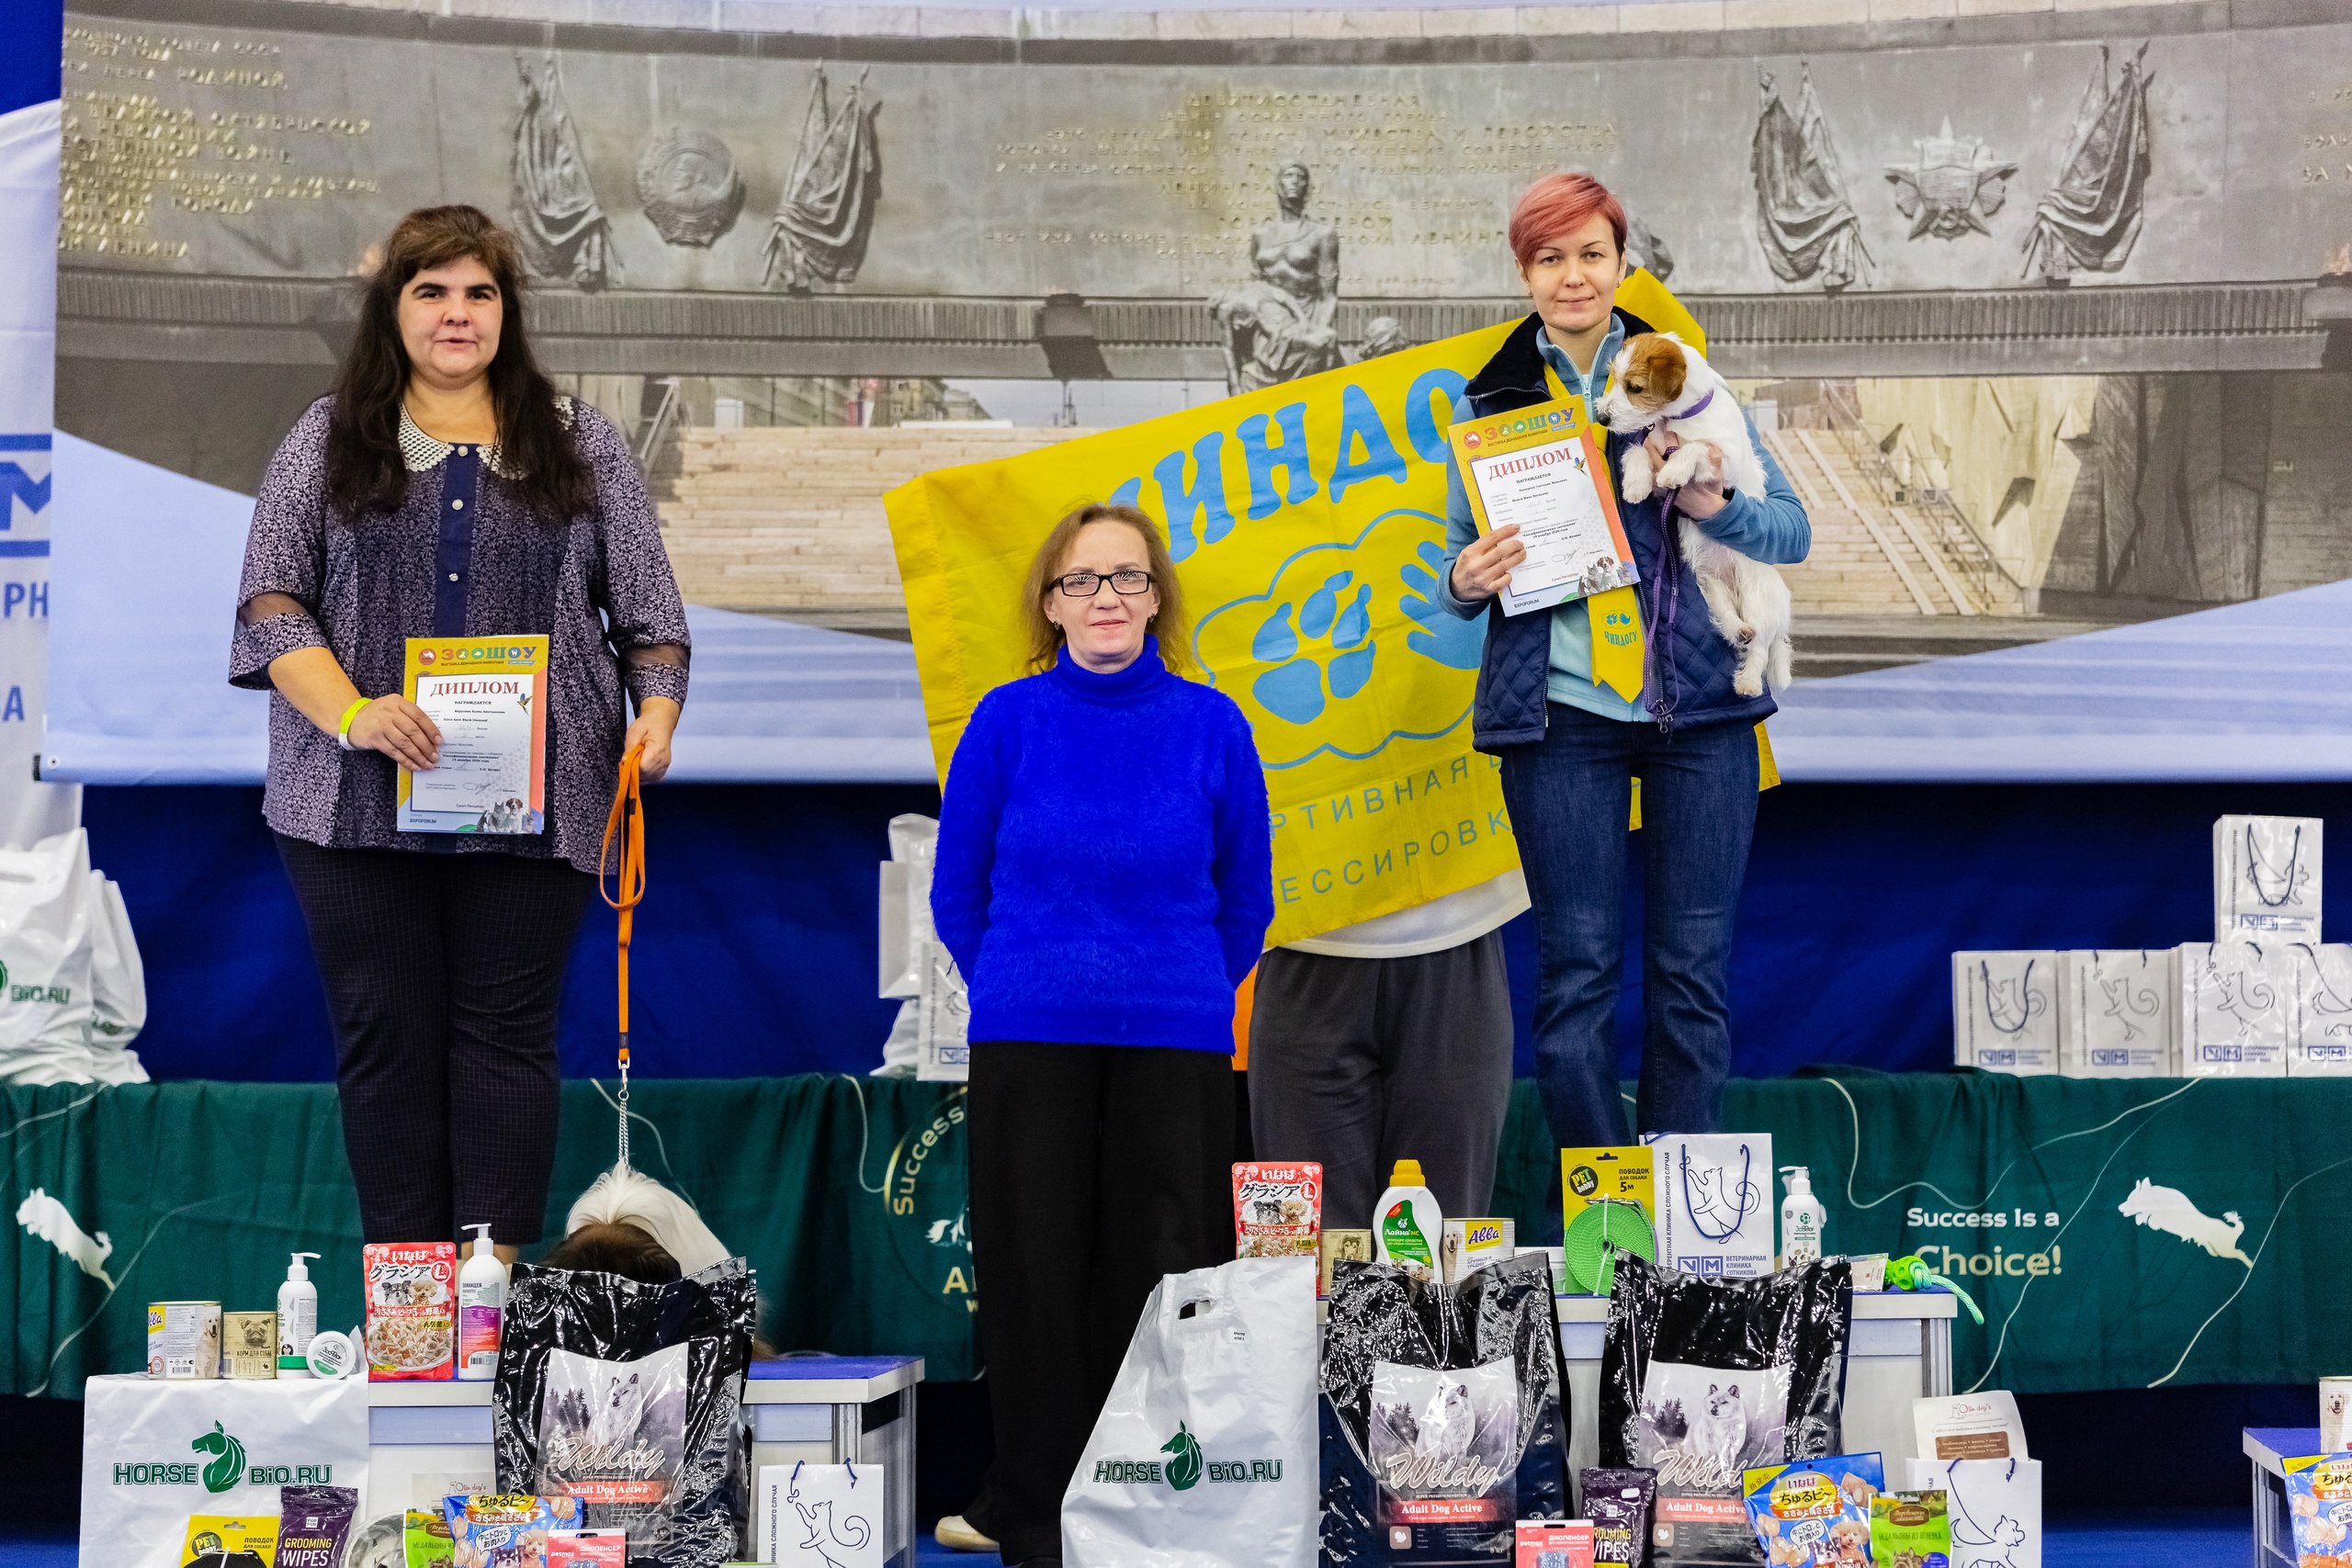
[(453, 577), (1580, 696)]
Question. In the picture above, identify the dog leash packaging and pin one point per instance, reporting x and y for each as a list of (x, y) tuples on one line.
[(629, 1397), (1443, 1414), (1702, 1381), (1715, 1203)]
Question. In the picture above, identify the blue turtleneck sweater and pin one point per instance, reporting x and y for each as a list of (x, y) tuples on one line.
[(1105, 870)]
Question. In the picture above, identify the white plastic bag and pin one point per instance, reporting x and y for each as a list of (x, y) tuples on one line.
[(45, 914), (118, 986), (153, 1453), (1715, 1203), (1995, 1508), (1204, 1454)]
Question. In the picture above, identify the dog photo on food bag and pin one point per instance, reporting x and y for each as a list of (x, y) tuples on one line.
[(1704, 1425), (1438, 1433), (1659, 381)]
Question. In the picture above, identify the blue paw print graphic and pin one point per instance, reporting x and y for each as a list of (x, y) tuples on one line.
[(1444, 636), (1293, 688)]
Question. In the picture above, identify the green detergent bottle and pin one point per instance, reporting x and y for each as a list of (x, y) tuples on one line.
[(1405, 1224)]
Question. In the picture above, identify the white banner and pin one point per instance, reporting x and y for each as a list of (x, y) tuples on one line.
[(29, 158)]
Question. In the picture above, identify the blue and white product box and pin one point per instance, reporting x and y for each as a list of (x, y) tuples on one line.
[(943, 1053), (2115, 1013), (2005, 1011), (1715, 1203), (2237, 1008), (2319, 1040), (2266, 878)]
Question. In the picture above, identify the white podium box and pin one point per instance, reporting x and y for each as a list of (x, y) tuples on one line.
[(823, 1409), (1900, 1350)]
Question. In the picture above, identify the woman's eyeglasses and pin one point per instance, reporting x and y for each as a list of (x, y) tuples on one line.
[(1086, 584)]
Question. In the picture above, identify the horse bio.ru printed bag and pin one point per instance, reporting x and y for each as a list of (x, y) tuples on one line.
[(1203, 1456), (1443, 1414)]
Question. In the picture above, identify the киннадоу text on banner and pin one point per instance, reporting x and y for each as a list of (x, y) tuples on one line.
[(1307, 525)]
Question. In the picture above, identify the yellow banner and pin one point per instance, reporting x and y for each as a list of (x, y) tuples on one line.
[(1307, 522)]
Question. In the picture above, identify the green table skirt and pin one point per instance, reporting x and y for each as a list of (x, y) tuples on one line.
[(2118, 1234)]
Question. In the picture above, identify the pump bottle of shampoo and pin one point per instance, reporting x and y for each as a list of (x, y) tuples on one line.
[(298, 1318), (1407, 1227), (1801, 1219), (481, 1309)]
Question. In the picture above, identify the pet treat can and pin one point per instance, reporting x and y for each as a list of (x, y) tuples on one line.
[(1340, 1246), (183, 1340), (2335, 1414), (249, 1345)]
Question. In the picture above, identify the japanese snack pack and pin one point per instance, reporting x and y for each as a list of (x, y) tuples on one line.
[(1443, 1414), (2319, 1500), (1277, 1210), (1618, 1503), (1704, 1379), (1815, 1513), (626, 1398), (1910, 1529), (412, 1295), (313, 1523), (506, 1531)]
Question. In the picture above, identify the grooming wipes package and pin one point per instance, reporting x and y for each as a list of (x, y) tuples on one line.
[(1715, 1203), (2266, 878), (2115, 1013), (2236, 1005), (2005, 1011), (2319, 1036)]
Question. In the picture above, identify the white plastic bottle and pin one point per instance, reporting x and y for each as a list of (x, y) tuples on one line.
[(481, 1309), (1801, 1219), (298, 1318), (1405, 1224)]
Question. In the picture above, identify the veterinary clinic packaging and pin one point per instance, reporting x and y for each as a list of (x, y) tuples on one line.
[(2319, 1034), (2115, 1013), (1815, 1513), (412, 1295), (1339, 1246), (1553, 1543), (1468, 1246), (2335, 1414), (1910, 1529), (587, 1549), (1970, 1426), (1995, 1506), (1715, 1203), (249, 1345), (2236, 1005), (2266, 878), (183, 1340), (236, 1541), (2318, 1506), (2005, 1011), (1277, 1209)]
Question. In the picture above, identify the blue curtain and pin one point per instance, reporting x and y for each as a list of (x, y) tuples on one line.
[(755, 947)]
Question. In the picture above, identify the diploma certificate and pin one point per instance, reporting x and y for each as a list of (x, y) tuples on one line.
[(1541, 469), (488, 697)]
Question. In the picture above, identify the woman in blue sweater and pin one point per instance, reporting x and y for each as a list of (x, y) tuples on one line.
[(1104, 883)]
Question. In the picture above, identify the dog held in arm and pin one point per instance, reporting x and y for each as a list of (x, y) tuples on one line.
[(1660, 382)]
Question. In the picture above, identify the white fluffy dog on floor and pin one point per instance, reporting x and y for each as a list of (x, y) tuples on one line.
[(1659, 381)]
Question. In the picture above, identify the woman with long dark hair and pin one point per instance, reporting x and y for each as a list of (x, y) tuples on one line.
[(444, 489)]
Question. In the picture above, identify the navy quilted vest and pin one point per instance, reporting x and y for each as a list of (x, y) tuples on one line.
[(1687, 668)]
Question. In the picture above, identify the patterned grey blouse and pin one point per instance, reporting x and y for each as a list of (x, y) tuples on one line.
[(598, 586)]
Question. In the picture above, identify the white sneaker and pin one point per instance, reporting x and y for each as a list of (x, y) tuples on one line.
[(956, 1535)]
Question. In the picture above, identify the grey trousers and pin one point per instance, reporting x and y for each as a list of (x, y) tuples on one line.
[(1359, 1063)]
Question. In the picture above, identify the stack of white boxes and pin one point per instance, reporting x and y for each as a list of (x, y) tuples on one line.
[(2265, 999)]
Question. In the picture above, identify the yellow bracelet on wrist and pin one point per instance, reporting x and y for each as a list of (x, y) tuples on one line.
[(343, 730)]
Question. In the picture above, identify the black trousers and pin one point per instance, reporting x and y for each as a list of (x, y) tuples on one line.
[(443, 974), (1096, 1169), (1358, 1063)]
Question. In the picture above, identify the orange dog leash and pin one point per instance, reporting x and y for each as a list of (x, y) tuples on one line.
[(627, 870)]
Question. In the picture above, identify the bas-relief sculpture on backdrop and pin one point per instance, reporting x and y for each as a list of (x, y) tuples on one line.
[(564, 236), (1279, 325), (1803, 219), (821, 225), (687, 183), (2090, 218), (1952, 188)]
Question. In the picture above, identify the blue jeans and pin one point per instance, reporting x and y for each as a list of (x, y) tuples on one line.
[(1569, 796)]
